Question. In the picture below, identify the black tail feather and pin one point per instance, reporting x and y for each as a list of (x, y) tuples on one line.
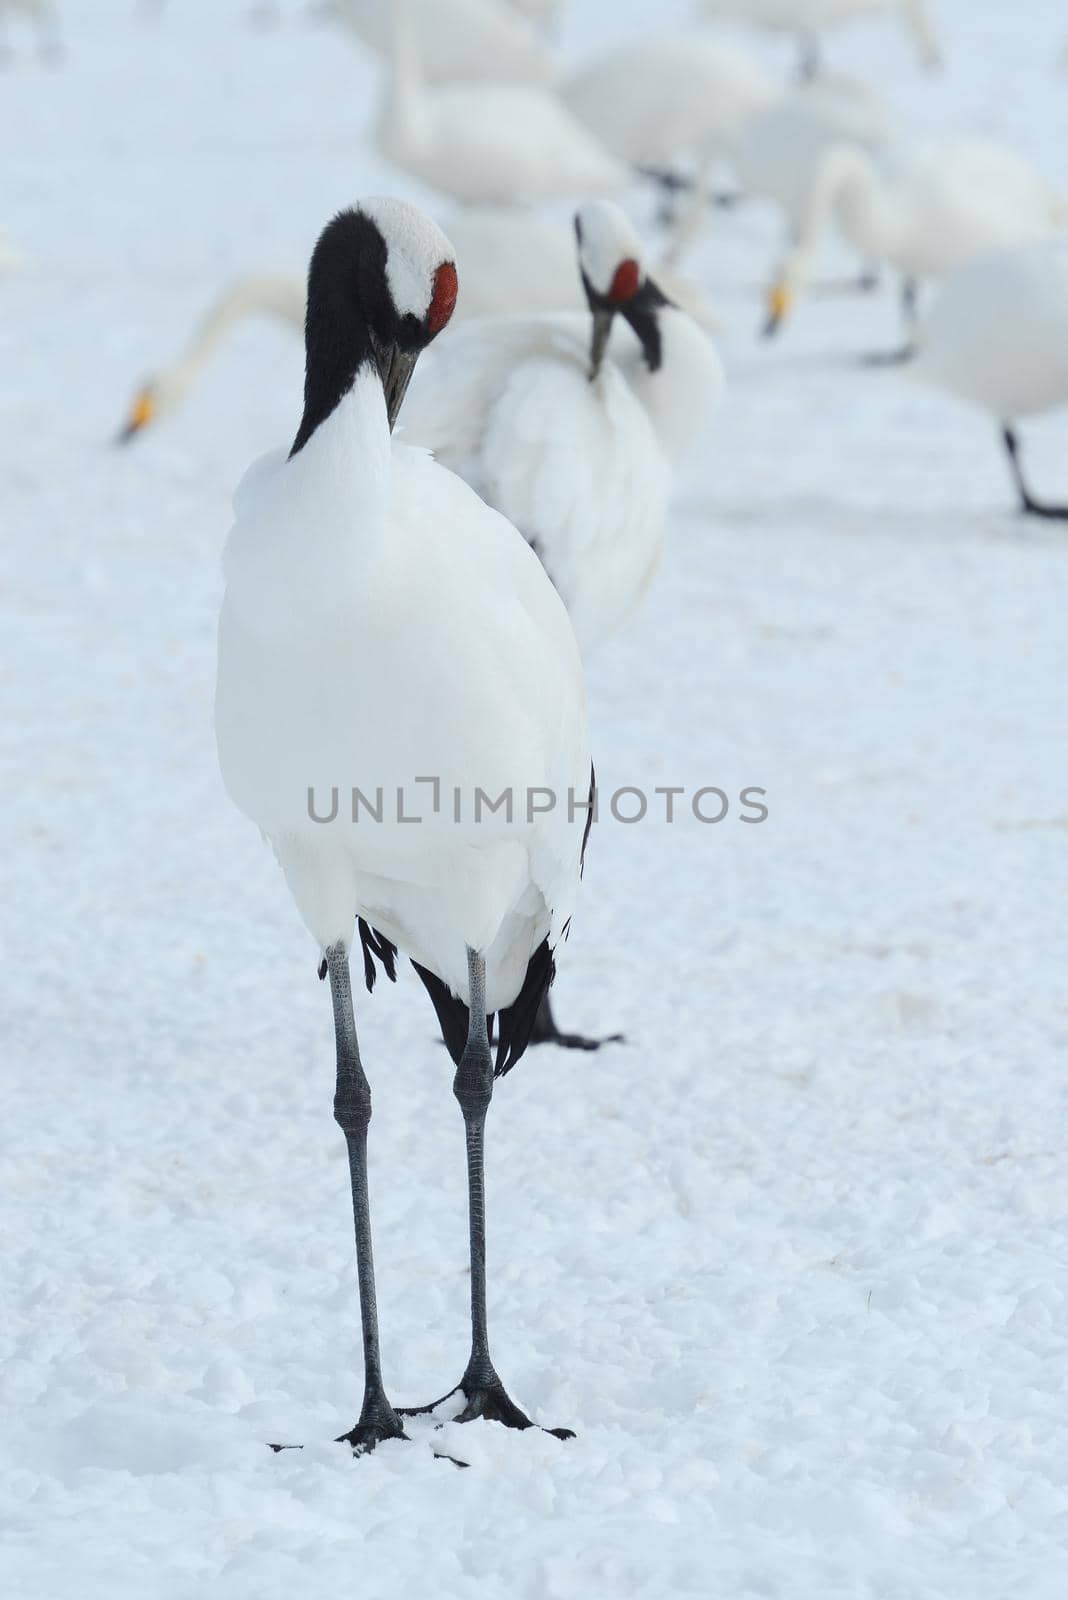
[(376, 945), (515, 1022), (452, 1013)]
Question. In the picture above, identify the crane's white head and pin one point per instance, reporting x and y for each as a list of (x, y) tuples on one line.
[(613, 276), (381, 285)]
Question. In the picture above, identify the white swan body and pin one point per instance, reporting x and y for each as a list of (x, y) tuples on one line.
[(459, 39), (809, 20), (996, 335), (381, 625), (670, 97), (582, 468), (485, 142), (942, 206)]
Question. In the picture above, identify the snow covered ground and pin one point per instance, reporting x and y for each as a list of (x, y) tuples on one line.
[(793, 1261)]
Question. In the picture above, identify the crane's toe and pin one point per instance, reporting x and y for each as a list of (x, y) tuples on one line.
[(490, 1401), (371, 1431), (546, 1031)]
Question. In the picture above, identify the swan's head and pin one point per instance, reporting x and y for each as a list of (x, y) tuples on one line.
[(382, 284), (610, 261)]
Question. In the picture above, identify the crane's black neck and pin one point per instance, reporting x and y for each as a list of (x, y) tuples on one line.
[(643, 314), (642, 311), (351, 321), (349, 257)]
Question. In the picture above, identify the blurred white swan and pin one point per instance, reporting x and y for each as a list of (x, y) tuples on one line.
[(943, 205), (458, 39), (278, 295), (669, 98), (997, 337), (776, 152), (503, 143), (809, 20)]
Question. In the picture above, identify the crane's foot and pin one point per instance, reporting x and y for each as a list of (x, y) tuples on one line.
[(378, 1421), (489, 1400), (545, 1031)]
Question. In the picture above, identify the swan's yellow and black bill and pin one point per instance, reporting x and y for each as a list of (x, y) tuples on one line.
[(780, 304), (142, 412)]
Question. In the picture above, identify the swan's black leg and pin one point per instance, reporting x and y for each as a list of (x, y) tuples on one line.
[(1028, 504)]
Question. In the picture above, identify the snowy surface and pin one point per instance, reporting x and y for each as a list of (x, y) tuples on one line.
[(793, 1261)]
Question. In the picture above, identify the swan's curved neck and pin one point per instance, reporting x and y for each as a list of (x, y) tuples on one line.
[(847, 186), (246, 298)]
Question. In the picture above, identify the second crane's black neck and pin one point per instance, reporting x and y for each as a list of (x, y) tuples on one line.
[(643, 314), (349, 258)]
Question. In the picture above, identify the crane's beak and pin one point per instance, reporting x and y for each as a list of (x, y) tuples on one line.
[(602, 328), (780, 304), (395, 368), (142, 412)]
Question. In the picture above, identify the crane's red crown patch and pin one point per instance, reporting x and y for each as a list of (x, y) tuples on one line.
[(626, 281), (443, 302)]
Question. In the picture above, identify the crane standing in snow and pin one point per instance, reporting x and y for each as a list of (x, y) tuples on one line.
[(381, 622)]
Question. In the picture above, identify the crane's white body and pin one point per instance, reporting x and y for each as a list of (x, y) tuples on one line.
[(489, 142), (940, 207), (459, 39), (997, 334), (810, 19), (668, 98), (380, 625), (583, 469)]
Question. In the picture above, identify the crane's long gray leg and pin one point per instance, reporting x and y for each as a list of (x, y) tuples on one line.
[(482, 1389), (352, 1112), (1028, 503)]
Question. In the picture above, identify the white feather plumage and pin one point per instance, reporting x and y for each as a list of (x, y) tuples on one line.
[(381, 624)]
